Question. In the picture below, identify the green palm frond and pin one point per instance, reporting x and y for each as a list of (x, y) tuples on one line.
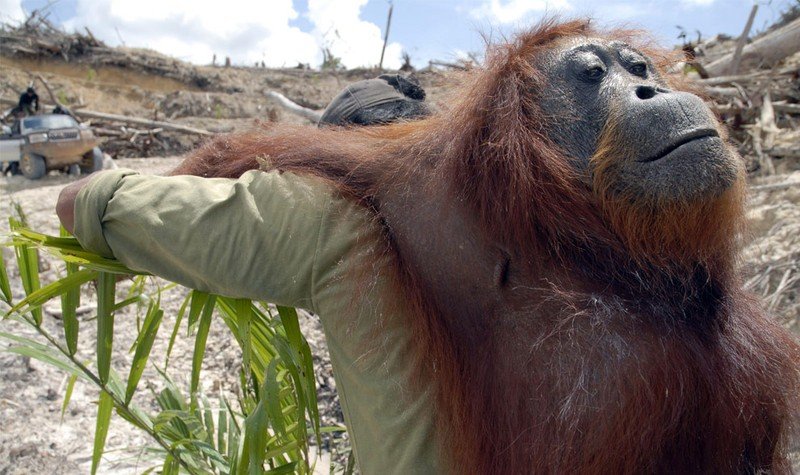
[(277, 415)]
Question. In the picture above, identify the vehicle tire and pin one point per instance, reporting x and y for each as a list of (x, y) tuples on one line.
[(32, 166), (92, 161), (74, 169)]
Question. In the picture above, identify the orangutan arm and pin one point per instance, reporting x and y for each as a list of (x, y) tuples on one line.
[(256, 237)]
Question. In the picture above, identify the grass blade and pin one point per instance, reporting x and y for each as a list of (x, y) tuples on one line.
[(5, 286), (208, 420), (46, 356), (145, 343), (175, 329), (283, 469), (101, 430), (244, 315), (68, 249), (170, 467), (70, 301), (28, 263), (68, 394), (270, 395), (200, 343), (254, 441), (198, 303), (304, 373), (106, 285), (37, 298), (222, 428)]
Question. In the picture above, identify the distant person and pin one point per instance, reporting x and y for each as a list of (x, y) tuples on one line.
[(383, 100), (28, 102)]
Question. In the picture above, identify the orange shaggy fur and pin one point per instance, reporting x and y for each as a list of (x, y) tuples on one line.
[(631, 348)]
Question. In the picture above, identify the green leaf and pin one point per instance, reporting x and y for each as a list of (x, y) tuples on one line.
[(70, 301), (222, 428), (129, 301), (282, 449), (69, 249), (208, 420), (37, 298), (270, 395), (208, 451), (106, 284), (200, 342), (350, 468), (198, 303), (171, 466), (145, 343), (175, 329), (254, 441), (244, 315), (47, 356), (101, 431), (170, 397), (28, 263), (292, 325), (288, 468), (305, 371), (5, 286), (68, 394)]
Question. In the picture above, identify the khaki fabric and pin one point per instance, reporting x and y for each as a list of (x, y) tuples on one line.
[(293, 241)]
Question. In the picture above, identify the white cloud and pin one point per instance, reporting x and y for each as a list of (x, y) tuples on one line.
[(338, 26), (512, 11), (11, 11), (620, 11), (701, 3), (243, 30)]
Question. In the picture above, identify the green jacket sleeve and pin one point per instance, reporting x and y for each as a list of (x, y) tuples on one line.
[(256, 237)]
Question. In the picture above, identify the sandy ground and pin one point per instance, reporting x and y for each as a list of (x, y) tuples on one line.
[(33, 437)]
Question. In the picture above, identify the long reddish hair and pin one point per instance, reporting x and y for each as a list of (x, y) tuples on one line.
[(635, 348)]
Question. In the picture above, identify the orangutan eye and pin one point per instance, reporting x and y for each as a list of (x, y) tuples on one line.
[(595, 72), (639, 69)]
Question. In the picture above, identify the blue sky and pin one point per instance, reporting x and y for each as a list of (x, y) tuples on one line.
[(285, 32)]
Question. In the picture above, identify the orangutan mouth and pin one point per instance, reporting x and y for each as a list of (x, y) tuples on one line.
[(681, 141)]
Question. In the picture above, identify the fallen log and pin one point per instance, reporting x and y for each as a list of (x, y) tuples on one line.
[(767, 50), (737, 54), (784, 152), (783, 107), (775, 186), (723, 91), (153, 124), (293, 107), (718, 81)]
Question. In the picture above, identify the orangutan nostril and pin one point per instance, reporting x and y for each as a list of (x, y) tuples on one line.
[(645, 92)]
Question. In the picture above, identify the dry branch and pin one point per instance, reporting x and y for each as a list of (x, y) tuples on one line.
[(717, 81), (293, 107), (737, 54), (775, 186), (386, 36), (141, 121), (789, 108), (767, 50)]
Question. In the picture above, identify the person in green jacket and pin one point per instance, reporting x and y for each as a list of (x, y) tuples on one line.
[(288, 239)]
